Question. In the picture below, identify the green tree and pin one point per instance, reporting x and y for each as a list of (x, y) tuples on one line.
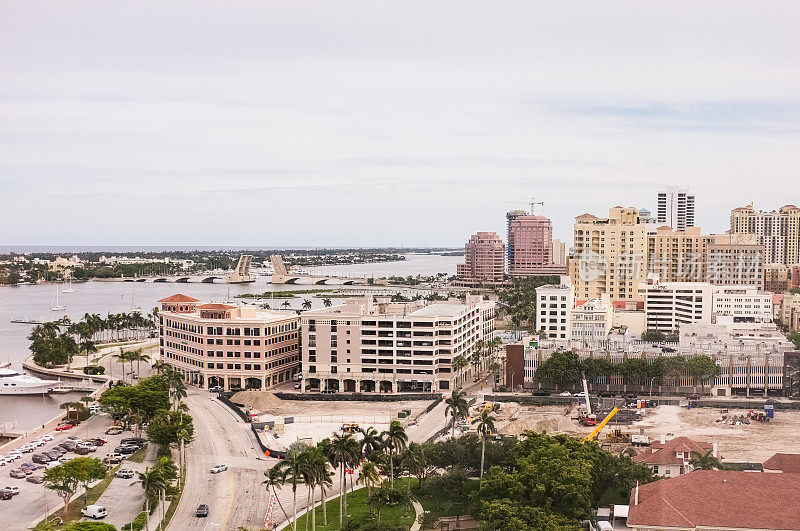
[(63, 481), (152, 481), (86, 470), (394, 438), (291, 472), (166, 428), (89, 526), (326, 302), (415, 460), (702, 368), (457, 408), (656, 336), (705, 461), (369, 476), (561, 368), (342, 451), (485, 426)]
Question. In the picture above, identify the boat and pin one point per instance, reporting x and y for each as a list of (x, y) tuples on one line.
[(16, 383), (54, 305), (134, 308), (28, 321), (68, 287)]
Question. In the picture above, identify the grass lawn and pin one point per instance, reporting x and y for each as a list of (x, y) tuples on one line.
[(139, 455), (75, 506), (357, 509)]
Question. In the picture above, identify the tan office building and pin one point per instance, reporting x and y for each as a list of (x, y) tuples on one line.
[(778, 231), (678, 256)]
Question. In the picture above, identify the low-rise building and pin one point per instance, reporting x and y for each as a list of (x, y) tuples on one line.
[(375, 345), (717, 500), (673, 457), (743, 303), (782, 463), (669, 305), (591, 320), (234, 347)]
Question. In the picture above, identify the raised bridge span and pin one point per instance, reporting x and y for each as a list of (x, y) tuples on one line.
[(282, 275)]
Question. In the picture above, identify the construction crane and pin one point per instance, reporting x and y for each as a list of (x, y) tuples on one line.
[(586, 395), (531, 203), (600, 426)]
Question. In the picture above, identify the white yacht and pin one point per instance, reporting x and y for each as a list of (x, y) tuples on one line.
[(16, 383)]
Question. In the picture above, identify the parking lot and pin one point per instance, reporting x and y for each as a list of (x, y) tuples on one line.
[(35, 499)]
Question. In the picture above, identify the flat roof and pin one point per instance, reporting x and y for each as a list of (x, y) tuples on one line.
[(440, 308)]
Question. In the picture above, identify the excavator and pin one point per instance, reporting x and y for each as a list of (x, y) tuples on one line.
[(600, 426)]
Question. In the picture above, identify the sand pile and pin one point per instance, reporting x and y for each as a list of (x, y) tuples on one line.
[(258, 400)]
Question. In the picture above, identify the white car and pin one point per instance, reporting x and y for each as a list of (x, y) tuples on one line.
[(47, 437), (74, 439), (14, 455), (565, 393), (219, 468), (14, 490)]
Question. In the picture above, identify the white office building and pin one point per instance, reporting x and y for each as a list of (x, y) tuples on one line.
[(554, 302), (742, 303), (592, 320), (676, 208), (668, 305)]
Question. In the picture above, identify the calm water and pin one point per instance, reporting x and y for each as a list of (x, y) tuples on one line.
[(34, 302)]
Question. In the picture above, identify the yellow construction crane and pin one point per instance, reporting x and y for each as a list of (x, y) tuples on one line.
[(600, 426)]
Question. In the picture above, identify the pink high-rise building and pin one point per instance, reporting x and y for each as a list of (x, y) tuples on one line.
[(484, 259), (530, 245)]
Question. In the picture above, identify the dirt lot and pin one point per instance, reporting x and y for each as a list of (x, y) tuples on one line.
[(754, 442)]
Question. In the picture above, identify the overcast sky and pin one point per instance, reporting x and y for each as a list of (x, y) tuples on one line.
[(380, 123)]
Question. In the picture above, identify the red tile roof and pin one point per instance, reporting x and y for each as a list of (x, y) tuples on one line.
[(665, 454), (179, 298), (215, 306), (788, 463), (719, 499)]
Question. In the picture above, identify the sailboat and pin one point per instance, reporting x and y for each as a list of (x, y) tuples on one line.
[(54, 305), (68, 287), (134, 308)]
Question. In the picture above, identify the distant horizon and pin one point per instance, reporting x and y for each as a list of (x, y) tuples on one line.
[(33, 249)]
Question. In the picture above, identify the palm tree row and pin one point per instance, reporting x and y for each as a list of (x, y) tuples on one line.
[(314, 465)]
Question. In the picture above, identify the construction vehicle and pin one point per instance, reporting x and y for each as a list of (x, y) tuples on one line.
[(618, 437), (491, 407), (600, 426), (758, 416), (640, 440), (350, 428), (587, 418)]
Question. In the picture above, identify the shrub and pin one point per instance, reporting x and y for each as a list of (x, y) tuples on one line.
[(138, 523), (89, 526)]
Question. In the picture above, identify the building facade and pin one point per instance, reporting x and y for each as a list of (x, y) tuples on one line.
[(530, 245), (484, 259), (554, 302), (591, 320), (668, 305), (790, 311), (366, 345), (742, 303), (235, 347), (778, 231), (735, 260), (678, 255), (675, 208), (610, 255)]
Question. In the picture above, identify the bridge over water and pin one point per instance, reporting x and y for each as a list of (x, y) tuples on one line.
[(282, 275)]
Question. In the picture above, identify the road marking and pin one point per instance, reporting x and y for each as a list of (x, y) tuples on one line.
[(230, 505)]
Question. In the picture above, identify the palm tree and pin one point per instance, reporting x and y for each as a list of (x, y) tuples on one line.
[(459, 362), (340, 455), (326, 302), (274, 480), (286, 304), (369, 476), (88, 347), (370, 441), (395, 438), (291, 470), (77, 407), (152, 481), (139, 356), (485, 426), (457, 407), (183, 438), (306, 304), (122, 357), (706, 461)]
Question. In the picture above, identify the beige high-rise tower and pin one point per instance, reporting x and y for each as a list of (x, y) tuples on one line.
[(610, 255), (778, 231)]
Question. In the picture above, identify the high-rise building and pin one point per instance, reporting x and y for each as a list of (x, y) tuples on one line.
[(610, 255), (676, 208), (778, 231), (484, 259), (735, 260), (559, 252), (678, 255), (530, 245), (235, 347), (375, 345)]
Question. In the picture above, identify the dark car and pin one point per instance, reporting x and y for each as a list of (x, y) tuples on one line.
[(605, 394), (694, 396), (69, 445), (53, 455), (33, 479), (5, 495), (202, 510), (41, 459), (125, 450), (57, 449), (540, 393), (668, 349), (82, 450), (132, 440)]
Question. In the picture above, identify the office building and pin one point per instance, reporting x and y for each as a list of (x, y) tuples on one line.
[(375, 345), (742, 303), (560, 252), (484, 260), (675, 208), (610, 255), (530, 246), (668, 305), (234, 347), (778, 232), (591, 320)]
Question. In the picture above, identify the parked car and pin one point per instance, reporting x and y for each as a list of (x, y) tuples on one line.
[(540, 392), (40, 459), (125, 450), (202, 510), (74, 439), (564, 393), (82, 450), (94, 408), (51, 464), (125, 473), (132, 440), (298, 386), (216, 389), (693, 396), (17, 473), (34, 479), (47, 437), (5, 495), (113, 458), (219, 468), (14, 490), (53, 455), (28, 448), (69, 445), (64, 459), (94, 511), (98, 441), (64, 426), (89, 446), (114, 430)]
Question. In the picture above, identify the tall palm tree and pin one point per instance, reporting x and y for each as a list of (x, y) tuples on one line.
[(274, 480), (459, 362), (485, 426), (326, 302), (291, 469), (370, 441), (286, 304), (306, 304), (339, 454), (395, 438), (88, 347), (152, 481), (122, 357), (705, 461), (457, 407)]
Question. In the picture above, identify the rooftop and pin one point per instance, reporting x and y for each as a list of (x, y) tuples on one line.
[(787, 463), (719, 499), (179, 298), (666, 454), (440, 308)]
